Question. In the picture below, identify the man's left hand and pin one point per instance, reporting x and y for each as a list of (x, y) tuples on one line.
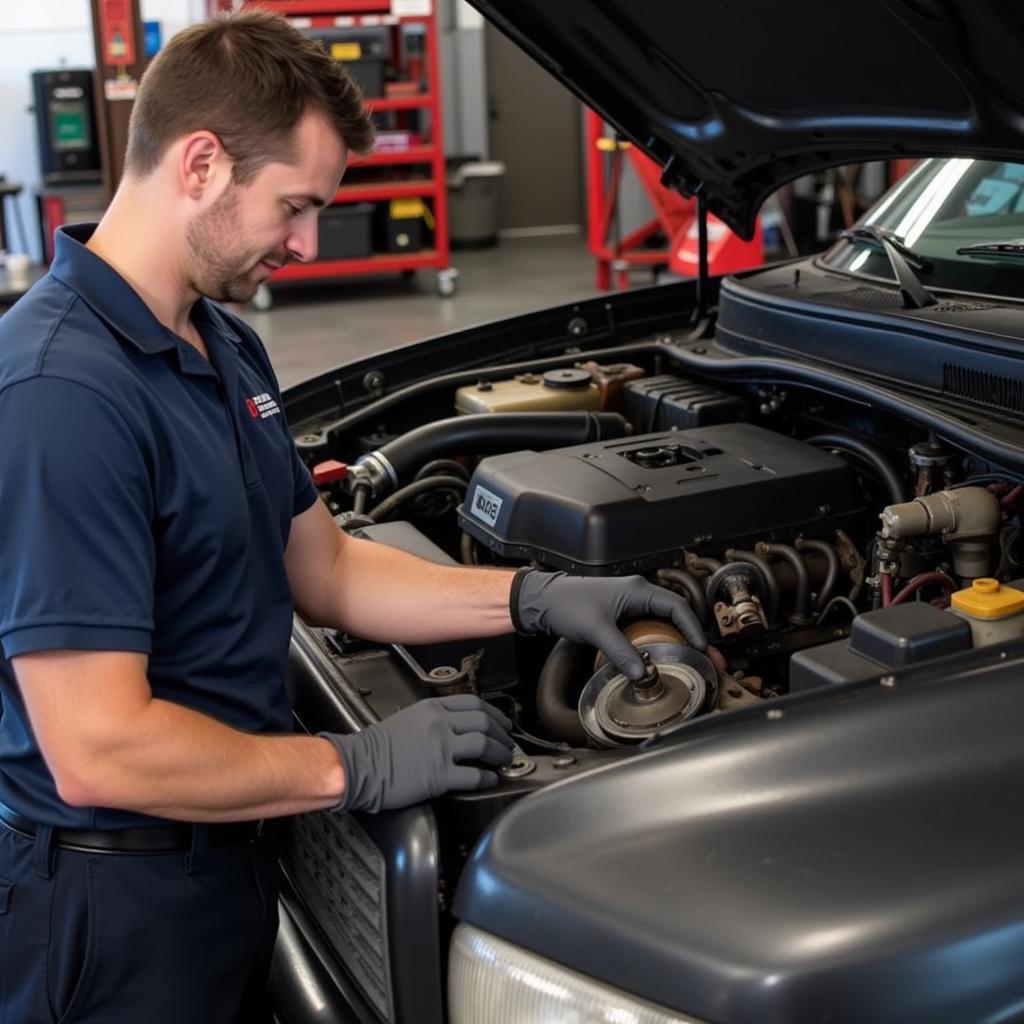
[(588, 609)]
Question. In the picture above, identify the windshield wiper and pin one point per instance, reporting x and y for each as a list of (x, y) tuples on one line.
[(915, 295), (1013, 250)]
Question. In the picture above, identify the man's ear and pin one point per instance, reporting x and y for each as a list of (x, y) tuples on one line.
[(202, 163)]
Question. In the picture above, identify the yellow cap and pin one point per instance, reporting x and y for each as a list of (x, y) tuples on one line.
[(986, 599)]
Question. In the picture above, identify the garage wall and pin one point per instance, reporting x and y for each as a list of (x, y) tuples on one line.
[(50, 33)]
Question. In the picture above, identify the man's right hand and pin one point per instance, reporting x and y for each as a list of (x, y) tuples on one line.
[(419, 753)]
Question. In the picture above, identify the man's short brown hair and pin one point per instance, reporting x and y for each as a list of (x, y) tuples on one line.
[(248, 78)]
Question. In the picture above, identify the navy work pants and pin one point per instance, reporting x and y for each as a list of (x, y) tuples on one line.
[(169, 938)]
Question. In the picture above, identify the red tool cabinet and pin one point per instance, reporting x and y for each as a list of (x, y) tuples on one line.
[(406, 164)]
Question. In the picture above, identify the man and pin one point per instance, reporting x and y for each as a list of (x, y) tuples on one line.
[(155, 537)]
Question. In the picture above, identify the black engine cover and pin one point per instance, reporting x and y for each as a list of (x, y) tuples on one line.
[(629, 505)]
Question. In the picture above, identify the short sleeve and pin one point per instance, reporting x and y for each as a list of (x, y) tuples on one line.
[(76, 512), (305, 490)]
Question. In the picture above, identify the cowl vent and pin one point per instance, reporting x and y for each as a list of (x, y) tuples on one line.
[(992, 389)]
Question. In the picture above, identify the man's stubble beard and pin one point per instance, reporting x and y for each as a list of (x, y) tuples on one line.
[(219, 270)]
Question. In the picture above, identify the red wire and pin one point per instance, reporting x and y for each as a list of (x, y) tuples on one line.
[(1009, 499), (922, 579)]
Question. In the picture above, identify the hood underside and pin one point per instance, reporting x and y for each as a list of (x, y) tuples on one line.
[(737, 98)]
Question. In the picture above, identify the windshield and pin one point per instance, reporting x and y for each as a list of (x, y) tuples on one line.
[(941, 206)]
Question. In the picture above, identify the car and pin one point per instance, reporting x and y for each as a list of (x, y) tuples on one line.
[(820, 819)]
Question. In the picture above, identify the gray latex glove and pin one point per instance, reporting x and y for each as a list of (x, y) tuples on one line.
[(416, 754), (587, 609)]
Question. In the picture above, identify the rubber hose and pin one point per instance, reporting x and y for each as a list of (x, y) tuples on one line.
[(403, 494), (681, 578), (832, 572), (802, 607), (875, 457), (332, 433), (489, 433), (359, 497), (922, 579), (771, 581), (442, 467), (567, 663)]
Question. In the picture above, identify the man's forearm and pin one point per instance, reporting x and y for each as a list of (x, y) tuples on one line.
[(177, 763), (380, 593)]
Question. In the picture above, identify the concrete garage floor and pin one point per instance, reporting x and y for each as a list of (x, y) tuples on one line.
[(313, 328)]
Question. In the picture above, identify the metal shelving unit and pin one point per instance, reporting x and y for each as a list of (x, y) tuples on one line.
[(428, 183)]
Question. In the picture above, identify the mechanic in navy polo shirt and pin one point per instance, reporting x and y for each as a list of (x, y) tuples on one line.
[(157, 530)]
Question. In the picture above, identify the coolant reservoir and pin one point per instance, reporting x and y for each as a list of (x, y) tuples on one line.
[(564, 390), (995, 613)]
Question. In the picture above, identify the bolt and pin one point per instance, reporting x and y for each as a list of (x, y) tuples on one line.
[(775, 714), (887, 681), (564, 761), (443, 672)]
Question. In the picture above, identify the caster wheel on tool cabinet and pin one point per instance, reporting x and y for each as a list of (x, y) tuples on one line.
[(263, 300), (446, 282)]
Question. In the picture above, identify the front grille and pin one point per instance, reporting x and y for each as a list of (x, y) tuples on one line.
[(341, 876), (993, 389)]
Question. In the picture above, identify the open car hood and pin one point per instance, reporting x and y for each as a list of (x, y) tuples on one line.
[(736, 98)]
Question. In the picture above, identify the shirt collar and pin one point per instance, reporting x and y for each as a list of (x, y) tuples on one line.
[(114, 300)]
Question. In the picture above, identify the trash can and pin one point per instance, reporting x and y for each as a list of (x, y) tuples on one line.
[(473, 190)]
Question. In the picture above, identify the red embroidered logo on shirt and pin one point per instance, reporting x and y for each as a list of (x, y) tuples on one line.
[(262, 406)]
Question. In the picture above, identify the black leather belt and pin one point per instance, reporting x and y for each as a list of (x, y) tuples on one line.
[(140, 839)]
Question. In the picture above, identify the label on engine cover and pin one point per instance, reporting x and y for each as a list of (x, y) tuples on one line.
[(485, 505)]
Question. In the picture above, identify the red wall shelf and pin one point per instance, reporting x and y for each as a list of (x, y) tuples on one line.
[(310, 15), (368, 193)]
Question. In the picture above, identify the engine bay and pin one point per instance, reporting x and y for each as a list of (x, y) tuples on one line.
[(795, 526)]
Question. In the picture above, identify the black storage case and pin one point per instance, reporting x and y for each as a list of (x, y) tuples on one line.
[(881, 640), (400, 234), (346, 232), (630, 505), (666, 402), (369, 75)]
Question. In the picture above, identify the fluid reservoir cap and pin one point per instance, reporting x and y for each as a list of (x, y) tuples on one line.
[(572, 377), (988, 599), (329, 472)]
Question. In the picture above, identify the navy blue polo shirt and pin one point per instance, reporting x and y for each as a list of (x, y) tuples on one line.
[(146, 497)]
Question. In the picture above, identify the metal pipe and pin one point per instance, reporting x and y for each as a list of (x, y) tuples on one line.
[(832, 570), (680, 578), (802, 605), (771, 581), (708, 565)]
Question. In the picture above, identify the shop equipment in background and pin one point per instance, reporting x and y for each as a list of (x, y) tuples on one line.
[(394, 57)]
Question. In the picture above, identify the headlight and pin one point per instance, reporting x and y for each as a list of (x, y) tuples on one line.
[(493, 982)]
